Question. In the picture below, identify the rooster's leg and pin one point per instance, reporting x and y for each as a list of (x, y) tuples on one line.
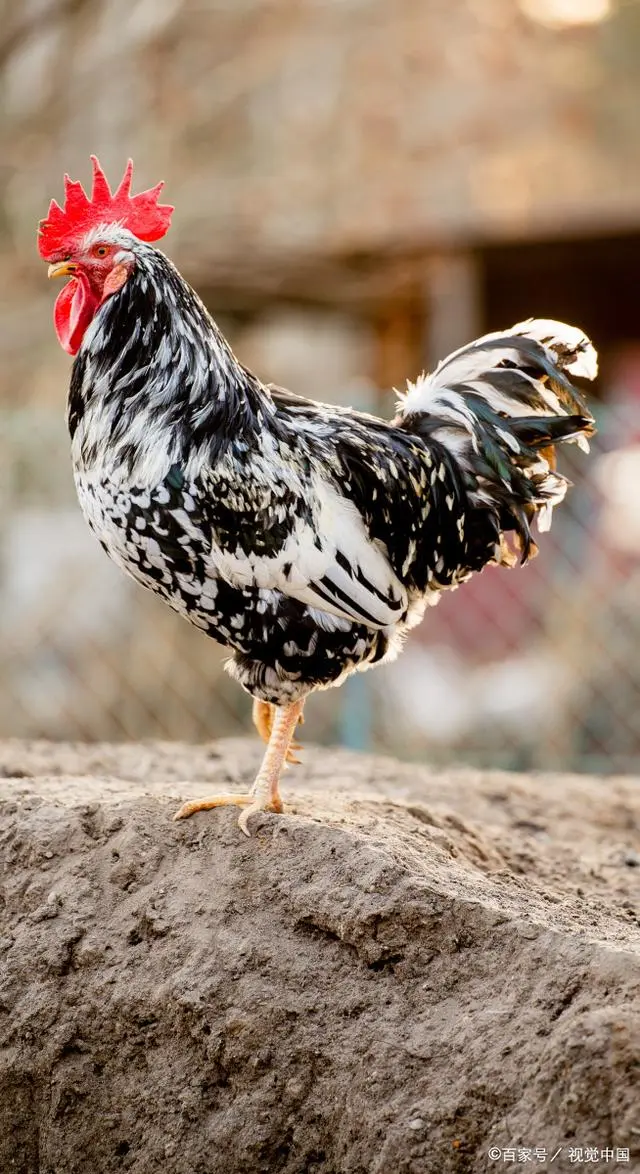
[(263, 714), (264, 794)]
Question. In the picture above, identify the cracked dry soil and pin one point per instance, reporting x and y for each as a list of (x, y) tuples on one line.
[(409, 969)]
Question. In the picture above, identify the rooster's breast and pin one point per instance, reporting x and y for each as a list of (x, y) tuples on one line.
[(151, 534)]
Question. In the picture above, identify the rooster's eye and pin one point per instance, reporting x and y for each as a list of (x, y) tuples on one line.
[(101, 251)]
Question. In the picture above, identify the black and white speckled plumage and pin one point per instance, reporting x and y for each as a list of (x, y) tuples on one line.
[(306, 538)]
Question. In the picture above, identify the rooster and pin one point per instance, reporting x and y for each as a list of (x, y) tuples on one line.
[(308, 539)]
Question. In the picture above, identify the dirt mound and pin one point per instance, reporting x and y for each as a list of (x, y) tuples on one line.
[(413, 973)]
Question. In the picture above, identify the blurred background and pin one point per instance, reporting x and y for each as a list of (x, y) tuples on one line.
[(360, 186)]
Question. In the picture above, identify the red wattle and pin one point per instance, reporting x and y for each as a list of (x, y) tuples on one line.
[(73, 311)]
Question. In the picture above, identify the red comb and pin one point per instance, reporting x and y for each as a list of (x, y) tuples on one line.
[(141, 214)]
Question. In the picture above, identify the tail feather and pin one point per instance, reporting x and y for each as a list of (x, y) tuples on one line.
[(501, 405)]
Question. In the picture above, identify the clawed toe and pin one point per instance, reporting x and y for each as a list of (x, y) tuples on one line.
[(251, 803), (226, 799), (292, 754), (254, 809)]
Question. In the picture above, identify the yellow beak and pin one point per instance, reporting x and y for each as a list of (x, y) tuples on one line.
[(62, 269)]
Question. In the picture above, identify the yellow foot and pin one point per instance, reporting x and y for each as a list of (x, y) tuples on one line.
[(264, 794), (263, 714), (252, 803)]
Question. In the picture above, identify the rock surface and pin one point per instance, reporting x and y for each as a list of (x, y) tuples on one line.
[(407, 970)]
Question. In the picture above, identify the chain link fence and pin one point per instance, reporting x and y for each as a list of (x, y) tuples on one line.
[(533, 668)]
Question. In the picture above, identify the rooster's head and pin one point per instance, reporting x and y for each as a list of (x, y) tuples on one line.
[(92, 241)]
